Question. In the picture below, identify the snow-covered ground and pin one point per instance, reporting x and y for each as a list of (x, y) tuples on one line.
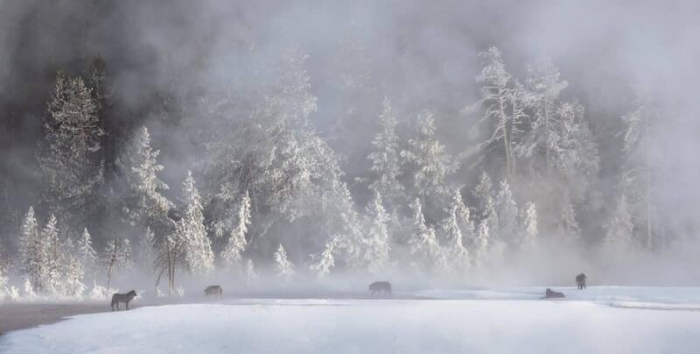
[(474, 321)]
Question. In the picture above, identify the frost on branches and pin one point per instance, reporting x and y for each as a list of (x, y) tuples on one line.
[(284, 268), (237, 241), (191, 229)]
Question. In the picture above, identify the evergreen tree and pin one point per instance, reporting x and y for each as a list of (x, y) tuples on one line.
[(144, 204), (456, 253), (237, 241), (71, 160), (431, 165), (530, 224), (51, 267), (31, 248), (191, 229), (378, 242), (497, 98), (284, 267), (640, 145), (86, 254), (545, 86), (385, 158), (482, 243), (482, 192), (507, 211), (423, 243), (327, 261)]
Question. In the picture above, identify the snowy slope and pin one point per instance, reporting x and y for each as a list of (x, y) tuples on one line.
[(369, 326)]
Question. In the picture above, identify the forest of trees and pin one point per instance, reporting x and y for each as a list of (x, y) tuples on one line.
[(262, 179)]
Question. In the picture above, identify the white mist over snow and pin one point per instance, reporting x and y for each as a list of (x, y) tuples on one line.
[(512, 322)]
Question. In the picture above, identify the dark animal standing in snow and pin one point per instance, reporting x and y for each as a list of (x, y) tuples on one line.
[(380, 288), (213, 290), (581, 281), (551, 294), (125, 298)]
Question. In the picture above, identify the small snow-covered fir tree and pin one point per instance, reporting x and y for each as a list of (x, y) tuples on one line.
[(283, 266), (386, 163), (378, 242), (198, 252), (530, 224), (482, 243), (456, 253), (31, 248), (86, 254), (482, 193), (424, 247), (327, 260), (51, 279), (507, 211), (73, 275), (237, 242)]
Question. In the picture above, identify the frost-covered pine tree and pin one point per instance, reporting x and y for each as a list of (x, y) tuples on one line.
[(71, 160), (530, 230), (456, 253), (545, 86), (620, 228), (424, 247), (327, 260), (144, 203), (31, 248), (284, 268), (641, 149), (482, 192), (344, 220), (191, 229), (86, 254), (497, 97), (73, 277), (573, 150), (483, 236), (378, 240), (431, 164), (507, 211), (28, 288), (490, 217), (51, 279), (237, 242), (385, 158)]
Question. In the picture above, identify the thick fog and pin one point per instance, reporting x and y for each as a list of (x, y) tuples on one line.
[(201, 76)]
